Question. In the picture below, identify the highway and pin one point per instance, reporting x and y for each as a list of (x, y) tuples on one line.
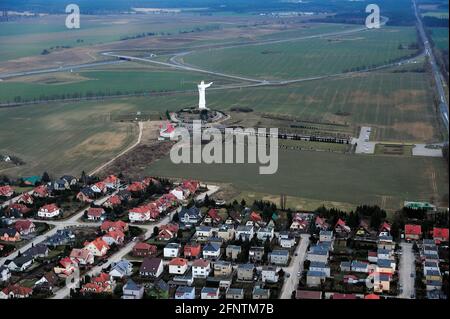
[(443, 105)]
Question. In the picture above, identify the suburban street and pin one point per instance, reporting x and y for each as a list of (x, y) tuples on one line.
[(407, 266), (290, 284)]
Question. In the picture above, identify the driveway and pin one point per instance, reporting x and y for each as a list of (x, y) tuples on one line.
[(290, 284)]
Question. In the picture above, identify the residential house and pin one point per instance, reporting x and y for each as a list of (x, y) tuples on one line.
[(25, 227), (112, 182), (363, 229), (359, 266), (41, 191), (9, 235), (98, 247), (345, 266), (210, 293), (113, 201), (244, 232), (49, 211), (103, 283), (6, 191), (308, 294), (192, 250), (385, 266), (185, 292), (413, 232), (178, 266), (286, 240), (386, 242), (120, 269), (17, 210), (382, 282), (226, 232), (95, 213), (234, 293), (260, 293), (25, 199), (151, 267), (233, 251), (108, 226), (99, 188), (16, 292), (384, 253), (321, 223), (245, 272), (21, 263), (315, 278), (201, 268), (255, 254), (341, 229), (190, 216), (265, 233), (372, 256), (47, 282), (203, 233), (36, 251), (5, 274), (86, 195), (222, 268), (66, 267), (144, 250), (168, 231), (269, 274), (62, 237), (214, 215), (320, 267), (385, 229), (211, 251), (69, 179), (82, 256), (60, 185), (116, 237), (279, 257), (131, 290), (317, 255), (325, 235), (172, 250), (440, 235)]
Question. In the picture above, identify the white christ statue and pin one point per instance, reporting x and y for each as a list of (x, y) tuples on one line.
[(202, 94)]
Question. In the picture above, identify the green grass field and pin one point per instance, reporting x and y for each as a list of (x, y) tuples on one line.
[(110, 81), (440, 37), (27, 37), (309, 57), (382, 180)]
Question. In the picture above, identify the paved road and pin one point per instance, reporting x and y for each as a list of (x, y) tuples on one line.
[(68, 68), (363, 144), (290, 284), (406, 267), (443, 106)]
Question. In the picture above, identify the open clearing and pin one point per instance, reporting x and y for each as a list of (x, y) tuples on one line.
[(329, 177), (62, 138), (309, 57)]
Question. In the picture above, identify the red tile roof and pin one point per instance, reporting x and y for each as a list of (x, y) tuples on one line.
[(95, 212), (440, 233), (22, 225), (50, 208), (413, 229), (200, 263), (178, 262)]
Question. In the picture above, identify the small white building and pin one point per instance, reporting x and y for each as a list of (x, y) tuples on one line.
[(49, 211), (201, 268), (172, 250)]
